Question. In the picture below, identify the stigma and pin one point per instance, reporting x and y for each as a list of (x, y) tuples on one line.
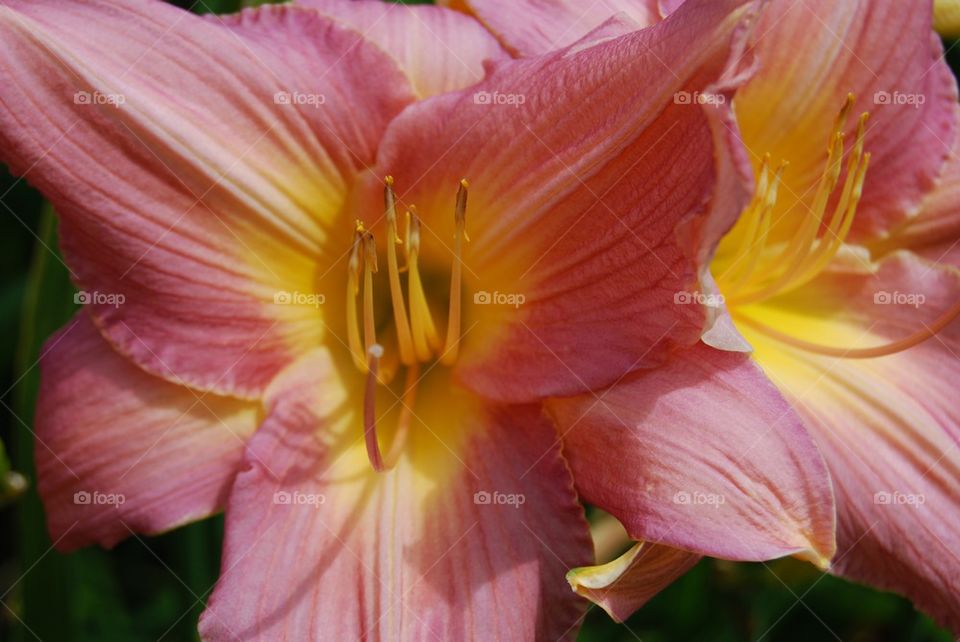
[(418, 340)]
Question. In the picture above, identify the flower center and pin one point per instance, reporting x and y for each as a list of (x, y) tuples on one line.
[(751, 268), (759, 269), (417, 339)]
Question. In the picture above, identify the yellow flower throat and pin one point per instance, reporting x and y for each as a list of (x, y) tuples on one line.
[(752, 268), (417, 338)]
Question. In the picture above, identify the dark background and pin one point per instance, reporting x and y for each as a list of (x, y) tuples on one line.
[(153, 588)]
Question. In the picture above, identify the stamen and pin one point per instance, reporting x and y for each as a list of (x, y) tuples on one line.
[(928, 332), (806, 255), (369, 269), (404, 338), (755, 242), (353, 288), (425, 338), (451, 347), (377, 461)]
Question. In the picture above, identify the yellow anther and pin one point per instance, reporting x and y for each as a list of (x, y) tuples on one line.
[(404, 337), (416, 334), (353, 288), (753, 251), (369, 269), (425, 338), (808, 252), (451, 346)]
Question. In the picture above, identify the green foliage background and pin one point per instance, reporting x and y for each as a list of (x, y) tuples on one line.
[(150, 589)]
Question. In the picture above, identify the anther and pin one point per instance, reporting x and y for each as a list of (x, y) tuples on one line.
[(425, 338), (451, 347), (369, 269), (404, 337), (353, 288)]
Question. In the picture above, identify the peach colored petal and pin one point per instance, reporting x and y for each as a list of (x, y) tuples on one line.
[(120, 451), (883, 51), (888, 427), (197, 168), (593, 206), (466, 539), (623, 585), (533, 27), (440, 50), (722, 465)]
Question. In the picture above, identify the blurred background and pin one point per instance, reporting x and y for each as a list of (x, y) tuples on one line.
[(153, 588)]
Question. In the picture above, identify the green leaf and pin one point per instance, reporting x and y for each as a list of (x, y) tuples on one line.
[(43, 594)]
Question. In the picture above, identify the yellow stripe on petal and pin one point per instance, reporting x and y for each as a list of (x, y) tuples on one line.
[(622, 586)]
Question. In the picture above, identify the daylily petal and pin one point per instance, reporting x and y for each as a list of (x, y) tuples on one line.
[(533, 27), (440, 50), (319, 546), (120, 451), (884, 52), (624, 585), (888, 427), (935, 232), (194, 169), (723, 466), (594, 211)]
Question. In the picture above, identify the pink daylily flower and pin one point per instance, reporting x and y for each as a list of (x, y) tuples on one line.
[(398, 452), (844, 286)]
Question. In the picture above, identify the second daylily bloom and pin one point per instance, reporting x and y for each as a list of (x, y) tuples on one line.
[(356, 394), (840, 276)]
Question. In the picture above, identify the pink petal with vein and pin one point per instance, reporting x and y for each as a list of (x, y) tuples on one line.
[(722, 465), (120, 451), (191, 171), (468, 538)]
